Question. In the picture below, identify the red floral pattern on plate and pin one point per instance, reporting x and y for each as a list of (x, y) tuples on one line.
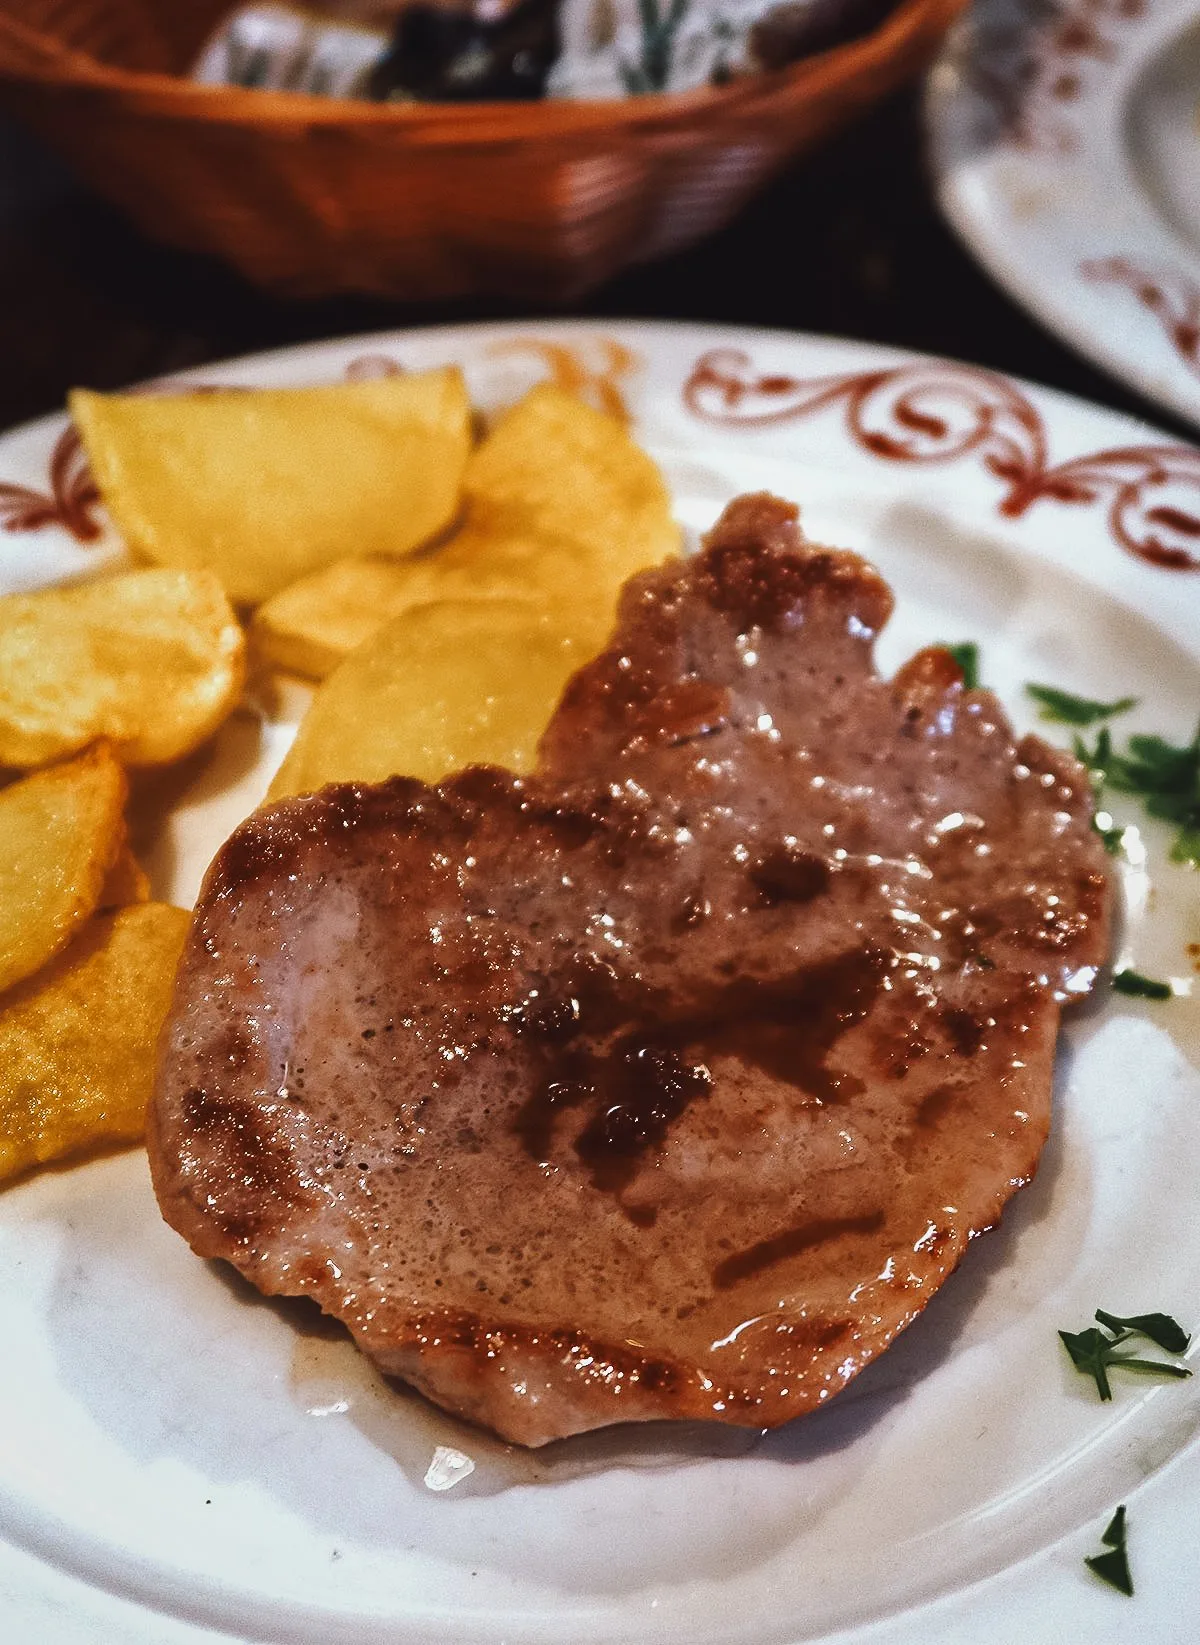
[(1167, 293), (594, 369), (1029, 60), (73, 495), (938, 412), (71, 499), (923, 413)]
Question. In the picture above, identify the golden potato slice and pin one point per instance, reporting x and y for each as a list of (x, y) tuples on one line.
[(152, 660), (60, 833), (447, 685), (313, 624), (78, 1041), (553, 466), (562, 506), (264, 485), (127, 883), (562, 503)]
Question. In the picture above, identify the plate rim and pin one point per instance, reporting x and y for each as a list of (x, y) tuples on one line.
[(984, 224), (703, 334)]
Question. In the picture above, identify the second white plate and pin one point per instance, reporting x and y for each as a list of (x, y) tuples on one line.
[(1066, 152)]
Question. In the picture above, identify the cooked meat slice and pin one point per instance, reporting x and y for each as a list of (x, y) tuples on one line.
[(672, 1080)]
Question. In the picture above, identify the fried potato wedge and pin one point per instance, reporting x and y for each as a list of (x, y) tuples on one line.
[(312, 625), (127, 883), (447, 685), (561, 505), (263, 485), (555, 467), (78, 1041), (151, 660), (61, 831)]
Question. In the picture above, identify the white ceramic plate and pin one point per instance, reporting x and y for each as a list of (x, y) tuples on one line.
[(1065, 143), (181, 1461)]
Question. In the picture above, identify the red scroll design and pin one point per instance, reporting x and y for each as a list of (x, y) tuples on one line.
[(1029, 62), (1167, 293), (71, 499), (939, 412)]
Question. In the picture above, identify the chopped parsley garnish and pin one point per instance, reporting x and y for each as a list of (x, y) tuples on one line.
[(1065, 708), (1139, 987), (1113, 1566), (966, 655), (1166, 778), (1163, 1331), (1094, 1352)]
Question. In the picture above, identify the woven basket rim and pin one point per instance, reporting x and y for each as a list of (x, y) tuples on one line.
[(173, 95)]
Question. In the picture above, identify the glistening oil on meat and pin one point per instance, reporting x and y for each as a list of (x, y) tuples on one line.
[(672, 1080)]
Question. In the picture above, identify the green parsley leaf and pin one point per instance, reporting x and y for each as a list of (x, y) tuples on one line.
[(1114, 1535), (1066, 709), (1139, 987), (1113, 1567), (1163, 1331), (966, 655), (1148, 1367), (1089, 1353), (1097, 759), (1164, 776), (1094, 1352), (1156, 761)]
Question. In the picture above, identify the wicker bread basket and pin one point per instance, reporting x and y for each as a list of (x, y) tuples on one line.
[(311, 196)]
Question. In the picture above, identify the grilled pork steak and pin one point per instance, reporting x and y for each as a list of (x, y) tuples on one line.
[(672, 1080)]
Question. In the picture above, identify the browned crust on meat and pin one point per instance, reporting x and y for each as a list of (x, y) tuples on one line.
[(673, 1079)]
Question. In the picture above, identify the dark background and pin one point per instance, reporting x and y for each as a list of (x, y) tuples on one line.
[(848, 241)]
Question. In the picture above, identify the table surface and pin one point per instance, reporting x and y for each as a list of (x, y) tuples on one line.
[(848, 241)]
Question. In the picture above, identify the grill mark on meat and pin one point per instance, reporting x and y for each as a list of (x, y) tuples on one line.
[(642, 1088), (967, 1029), (788, 874), (788, 1028), (814, 1331), (259, 1185), (577, 1353), (644, 1080), (748, 913), (791, 1243), (249, 854), (931, 1110)]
